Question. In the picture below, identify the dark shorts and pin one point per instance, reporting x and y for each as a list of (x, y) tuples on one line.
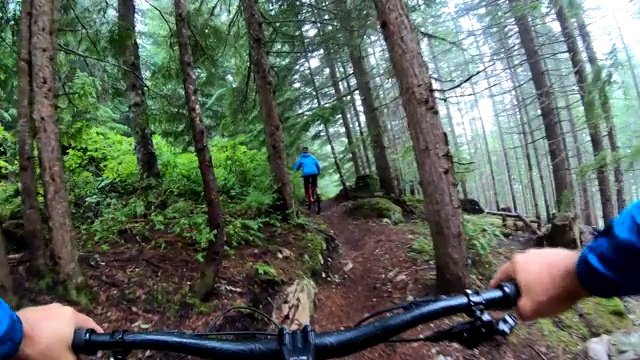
[(310, 180)]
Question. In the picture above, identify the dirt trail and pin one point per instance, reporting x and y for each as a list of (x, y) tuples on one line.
[(373, 272)]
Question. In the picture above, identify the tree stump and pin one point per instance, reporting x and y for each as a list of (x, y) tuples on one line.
[(471, 206), (563, 232)]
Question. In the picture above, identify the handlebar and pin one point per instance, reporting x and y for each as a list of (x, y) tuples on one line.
[(322, 345)]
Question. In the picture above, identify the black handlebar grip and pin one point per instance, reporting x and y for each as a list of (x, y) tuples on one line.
[(79, 344), (511, 290)]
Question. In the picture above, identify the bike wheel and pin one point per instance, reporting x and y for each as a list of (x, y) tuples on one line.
[(317, 203)]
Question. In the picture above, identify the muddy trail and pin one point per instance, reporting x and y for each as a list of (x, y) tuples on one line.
[(373, 271)]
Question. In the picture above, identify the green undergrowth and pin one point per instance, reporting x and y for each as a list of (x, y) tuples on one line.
[(590, 318), (482, 233), (376, 208)]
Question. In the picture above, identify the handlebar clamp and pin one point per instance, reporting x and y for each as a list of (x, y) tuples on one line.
[(297, 345)]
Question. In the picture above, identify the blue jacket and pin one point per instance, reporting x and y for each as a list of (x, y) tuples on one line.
[(10, 332), (308, 163), (610, 264)]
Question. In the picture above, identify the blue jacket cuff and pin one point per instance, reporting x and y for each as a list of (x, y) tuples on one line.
[(12, 337)]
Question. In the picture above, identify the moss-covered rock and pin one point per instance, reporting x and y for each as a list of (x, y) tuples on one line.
[(592, 317), (376, 208)]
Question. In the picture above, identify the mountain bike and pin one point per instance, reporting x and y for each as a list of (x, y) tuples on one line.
[(306, 344), (313, 199)]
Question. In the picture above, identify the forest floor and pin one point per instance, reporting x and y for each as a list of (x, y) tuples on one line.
[(143, 284), (374, 271)]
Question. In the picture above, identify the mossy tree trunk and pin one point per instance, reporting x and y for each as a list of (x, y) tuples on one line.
[(63, 237), (33, 224), (429, 145), (544, 93), (213, 258), (130, 55), (374, 125), (272, 123)]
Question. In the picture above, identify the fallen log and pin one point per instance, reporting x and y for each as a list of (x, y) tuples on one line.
[(518, 216)]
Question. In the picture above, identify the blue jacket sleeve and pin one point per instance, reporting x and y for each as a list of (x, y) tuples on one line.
[(10, 332), (609, 265), (296, 166)]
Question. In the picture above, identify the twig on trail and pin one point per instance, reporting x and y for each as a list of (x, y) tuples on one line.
[(538, 352)]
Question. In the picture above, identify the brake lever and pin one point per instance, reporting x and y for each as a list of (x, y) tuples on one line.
[(480, 329), (472, 333)]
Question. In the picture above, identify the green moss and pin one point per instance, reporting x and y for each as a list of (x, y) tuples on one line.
[(572, 328), (314, 256), (376, 208), (607, 315)]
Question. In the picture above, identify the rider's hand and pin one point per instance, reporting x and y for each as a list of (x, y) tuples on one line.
[(547, 280), (48, 331)]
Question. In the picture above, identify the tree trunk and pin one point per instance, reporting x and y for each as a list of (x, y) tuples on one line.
[(486, 145), (145, 153), (28, 182), (6, 280), (605, 105), (585, 204), (454, 137), (356, 118), (336, 161), (561, 174), (430, 145), (507, 165), (588, 98), (353, 150), (629, 58), (43, 38), (213, 259), (272, 123), (374, 126)]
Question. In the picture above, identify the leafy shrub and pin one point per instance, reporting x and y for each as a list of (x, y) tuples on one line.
[(482, 234), (107, 194)]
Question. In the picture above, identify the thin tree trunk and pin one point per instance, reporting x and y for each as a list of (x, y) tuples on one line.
[(213, 259), (353, 150), (430, 145), (447, 107), (588, 98), (356, 117), (324, 125), (63, 241), (374, 126), (561, 174), (272, 123), (145, 153), (514, 203), (587, 215), (630, 65), (6, 280), (28, 182), (605, 105)]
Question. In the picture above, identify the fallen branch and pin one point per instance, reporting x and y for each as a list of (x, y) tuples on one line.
[(515, 216)]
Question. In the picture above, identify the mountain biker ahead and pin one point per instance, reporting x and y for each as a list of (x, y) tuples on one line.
[(310, 169)]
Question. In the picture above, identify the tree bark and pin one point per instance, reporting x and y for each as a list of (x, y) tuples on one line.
[(561, 174), (353, 150), (145, 153), (585, 204), (588, 98), (43, 38), (356, 118), (430, 145), (213, 259), (272, 123), (28, 181), (605, 105), (374, 126), (6, 280), (449, 117)]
